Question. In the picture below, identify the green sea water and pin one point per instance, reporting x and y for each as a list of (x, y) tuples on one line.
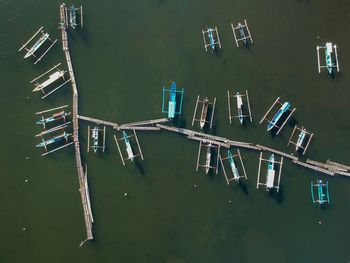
[(124, 55)]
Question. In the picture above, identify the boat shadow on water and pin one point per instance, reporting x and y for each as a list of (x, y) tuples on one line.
[(213, 130), (217, 52), (291, 122), (139, 167), (278, 196), (248, 45), (79, 34), (215, 124), (333, 75), (179, 121), (243, 186)]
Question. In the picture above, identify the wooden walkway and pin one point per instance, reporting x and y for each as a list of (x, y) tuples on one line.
[(318, 169), (140, 125), (339, 165), (224, 142), (138, 128), (214, 139), (331, 166), (204, 140), (325, 165), (81, 175), (147, 122), (98, 121), (289, 156)]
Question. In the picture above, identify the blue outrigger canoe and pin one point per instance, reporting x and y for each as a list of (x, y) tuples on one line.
[(270, 173), (54, 117), (240, 107), (72, 16), (300, 140), (172, 101), (37, 45), (322, 192), (211, 38), (53, 139), (233, 165), (285, 107), (128, 147), (173, 107), (242, 33), (328, 55), (94, 135)]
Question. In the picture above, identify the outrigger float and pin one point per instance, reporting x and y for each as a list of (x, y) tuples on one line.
[(171, 109), (211, 38), (235, 173), (285, 107), (303, 141), (271, 172), (240, 112), (203, 118), (208, 158), (60, 115), (322, 196), (130, 153), (32, 49), (330, 59), (64, 136), (243, 32), (95, 137), (51, 79)]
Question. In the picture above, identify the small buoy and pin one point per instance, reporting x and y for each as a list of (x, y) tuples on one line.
[(27, 157), (195, 186), (23, 229), (26, 180), (320, 222), (27, 97), (125, 194), (229, 201)]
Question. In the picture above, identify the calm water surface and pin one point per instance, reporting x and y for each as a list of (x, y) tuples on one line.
[(124, 55)]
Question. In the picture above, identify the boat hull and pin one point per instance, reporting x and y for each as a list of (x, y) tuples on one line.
[(270, 173), (285, 107)]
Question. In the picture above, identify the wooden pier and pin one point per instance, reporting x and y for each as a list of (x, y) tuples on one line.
[(221, 141), (81, 175), (318, 169), (204, 140), (140, 125), (342, 173), (98, 121), (289, 156), (147, 122), (339, 165), (325, 165), (216, 139), (335, 169), (139, 128)]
